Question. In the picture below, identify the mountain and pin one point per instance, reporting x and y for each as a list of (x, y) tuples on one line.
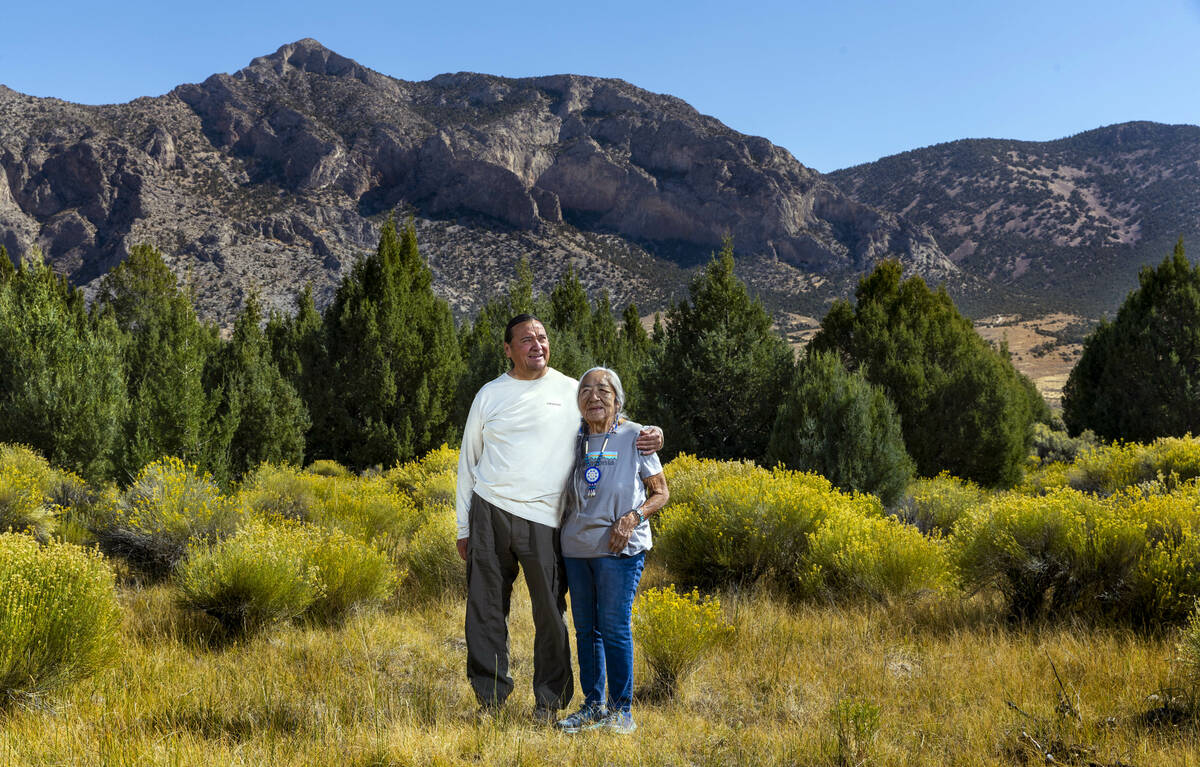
[(1067, 223), (281, 174)]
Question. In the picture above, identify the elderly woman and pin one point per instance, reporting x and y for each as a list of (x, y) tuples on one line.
[(612, 491)]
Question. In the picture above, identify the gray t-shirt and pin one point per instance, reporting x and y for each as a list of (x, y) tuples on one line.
[(585, 531)]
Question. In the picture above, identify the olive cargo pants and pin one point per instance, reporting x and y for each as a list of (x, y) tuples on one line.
[(499, 545)]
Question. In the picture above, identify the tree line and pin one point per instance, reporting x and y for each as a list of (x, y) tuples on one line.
[(896, 381)]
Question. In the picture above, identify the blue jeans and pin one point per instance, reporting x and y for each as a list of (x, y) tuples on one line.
[(602, 590)]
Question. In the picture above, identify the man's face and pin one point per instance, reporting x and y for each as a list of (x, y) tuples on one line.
[(529, 350)]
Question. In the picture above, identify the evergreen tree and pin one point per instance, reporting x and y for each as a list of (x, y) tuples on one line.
[(7, 269), (635, 355), (260, 416), (62, 390), (298, 347), (394, 361), (963, 407), (166, 351), (715, 383), (1139, 375), (837, 424)]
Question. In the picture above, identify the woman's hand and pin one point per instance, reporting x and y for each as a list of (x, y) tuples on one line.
[(622, 529)]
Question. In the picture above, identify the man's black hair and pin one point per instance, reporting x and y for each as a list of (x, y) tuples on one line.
[(517, 321)]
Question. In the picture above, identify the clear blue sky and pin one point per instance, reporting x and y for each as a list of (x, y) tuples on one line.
[(837, 83)]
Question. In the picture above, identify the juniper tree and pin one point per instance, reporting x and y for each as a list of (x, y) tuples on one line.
[(839, 425), (260, 416), (394, 359), (298, 347), (963, 407), (715, 382), (165, 354), (62, 388), (1139, 375)]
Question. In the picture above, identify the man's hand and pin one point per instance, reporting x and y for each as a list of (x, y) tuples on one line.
[(649, 440), (462, 548)]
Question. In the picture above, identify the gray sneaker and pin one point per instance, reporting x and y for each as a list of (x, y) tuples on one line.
[(588, 713), (620, 722)]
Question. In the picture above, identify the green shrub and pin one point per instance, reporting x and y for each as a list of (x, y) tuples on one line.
[(675, 632), (59, 616), (352, 574), (739, 524), (934, 505), (328, 468), (853, 556), (837, 424), (168, 505), (1056, 446), (260, 576), (855, 725), (271, 572), (434, 567)]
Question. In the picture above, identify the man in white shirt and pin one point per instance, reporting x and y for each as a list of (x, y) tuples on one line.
[(517, 451)]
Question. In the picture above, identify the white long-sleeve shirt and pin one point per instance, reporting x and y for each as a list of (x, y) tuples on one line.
[(518, 447)]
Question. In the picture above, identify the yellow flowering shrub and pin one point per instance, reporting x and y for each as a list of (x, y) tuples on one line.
[(1028, 547), (1168, 461), (433, 565), (169, 505), (369, 509), (934, 505), (281, 491), (275, 571), (675, 632), (1167, 578), (854, 556), (24, 506), (1131, 556), (735, 523), (352, 573), (261, 575), (437, 469), (34, 497), (59, 616)]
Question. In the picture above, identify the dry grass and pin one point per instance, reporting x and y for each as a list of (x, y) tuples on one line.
[(388, 688)]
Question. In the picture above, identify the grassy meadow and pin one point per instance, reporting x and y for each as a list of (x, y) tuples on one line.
[(837, 646)]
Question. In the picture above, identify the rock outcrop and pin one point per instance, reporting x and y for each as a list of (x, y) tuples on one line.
[(280, 174)]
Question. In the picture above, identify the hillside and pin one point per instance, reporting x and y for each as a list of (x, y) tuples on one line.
[(1067, 222), (281, 173)]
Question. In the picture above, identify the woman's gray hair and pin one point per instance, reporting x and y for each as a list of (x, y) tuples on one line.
[(571, 501), (614, 381)]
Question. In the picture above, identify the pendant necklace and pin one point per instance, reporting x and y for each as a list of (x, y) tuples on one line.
[(592, 474)]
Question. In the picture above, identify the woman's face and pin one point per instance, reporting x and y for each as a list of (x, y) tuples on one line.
[(597, 400)]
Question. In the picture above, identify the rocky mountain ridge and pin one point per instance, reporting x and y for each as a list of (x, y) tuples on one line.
[(281, 173), (1065, 222)]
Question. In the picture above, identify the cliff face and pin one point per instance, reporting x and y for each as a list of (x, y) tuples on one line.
[(281, 173)]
